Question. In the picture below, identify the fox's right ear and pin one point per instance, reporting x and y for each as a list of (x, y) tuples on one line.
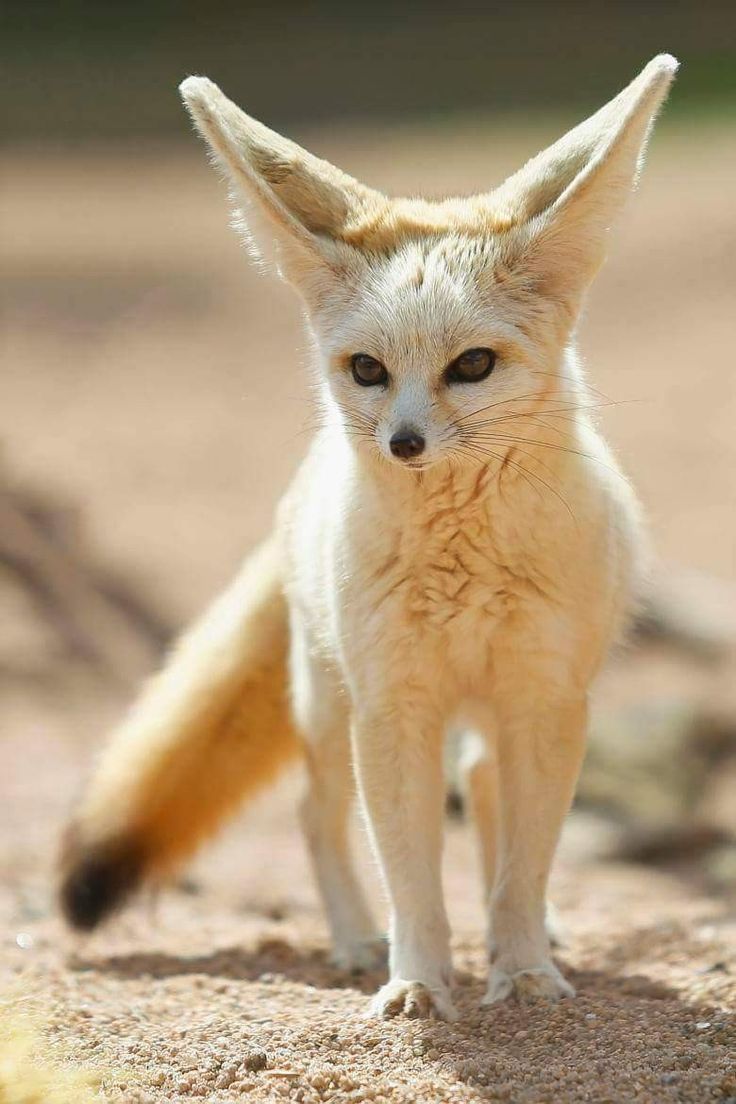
[(298, 208)]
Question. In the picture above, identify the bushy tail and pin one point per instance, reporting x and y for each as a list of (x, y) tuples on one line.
[(212, 728)]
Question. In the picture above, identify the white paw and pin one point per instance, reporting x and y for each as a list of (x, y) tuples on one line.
[(362, 956), (527, 986), (412, 999)]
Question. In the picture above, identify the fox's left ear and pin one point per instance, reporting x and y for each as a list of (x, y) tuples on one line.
[(560, 206), (296, 210)]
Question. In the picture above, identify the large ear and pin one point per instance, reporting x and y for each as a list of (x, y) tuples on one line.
[(560, 206), (297, 207)]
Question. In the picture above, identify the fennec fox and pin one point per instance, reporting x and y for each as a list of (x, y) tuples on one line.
[(458, 548)]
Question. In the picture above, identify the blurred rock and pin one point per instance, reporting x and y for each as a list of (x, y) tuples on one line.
[(677, 841), (721, 866), (718, 800), (661, 762), (692, 611), (664, 772), (59, 605), (646, 764)]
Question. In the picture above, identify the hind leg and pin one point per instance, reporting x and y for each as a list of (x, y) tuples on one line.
[(325, 815), (480, 782), (479, 774), (321, 713)]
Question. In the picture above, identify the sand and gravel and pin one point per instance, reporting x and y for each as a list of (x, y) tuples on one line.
[(226, 992)]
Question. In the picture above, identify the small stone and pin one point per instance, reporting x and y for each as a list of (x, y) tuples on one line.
[(713, 968), (255, 1060)]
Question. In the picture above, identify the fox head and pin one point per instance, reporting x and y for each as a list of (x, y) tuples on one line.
[(436, 321)]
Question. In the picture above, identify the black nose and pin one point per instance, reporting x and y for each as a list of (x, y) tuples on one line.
[(406, 444)]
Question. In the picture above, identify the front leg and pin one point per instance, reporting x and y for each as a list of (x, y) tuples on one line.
[(398, 759), (540, 752)]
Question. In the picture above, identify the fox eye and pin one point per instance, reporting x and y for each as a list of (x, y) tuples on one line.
[(367, 371), (471, 366)]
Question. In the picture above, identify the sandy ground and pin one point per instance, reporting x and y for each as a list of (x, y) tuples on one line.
[(225, 992), (157, 384)]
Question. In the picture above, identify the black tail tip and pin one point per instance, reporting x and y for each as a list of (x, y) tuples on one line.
[(97, 880)]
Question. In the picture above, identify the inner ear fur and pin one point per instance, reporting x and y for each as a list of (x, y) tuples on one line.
[(298, 207), (560, 205)]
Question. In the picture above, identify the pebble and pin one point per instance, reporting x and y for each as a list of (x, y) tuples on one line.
[(254, 1060)]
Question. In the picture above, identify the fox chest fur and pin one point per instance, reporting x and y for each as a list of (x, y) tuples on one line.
[(432, 574)]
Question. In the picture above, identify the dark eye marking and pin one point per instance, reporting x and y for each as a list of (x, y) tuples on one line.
[(471, 366), (367, 371)]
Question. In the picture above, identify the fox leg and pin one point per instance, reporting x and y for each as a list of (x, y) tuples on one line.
[(325, 816), (479, 775), (322, 716), (398, 756), (540, 751)]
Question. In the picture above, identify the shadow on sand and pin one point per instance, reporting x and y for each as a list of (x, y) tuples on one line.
[(628, 1034)]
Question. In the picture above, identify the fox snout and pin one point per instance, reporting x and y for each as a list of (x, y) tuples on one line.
[(407, 443)]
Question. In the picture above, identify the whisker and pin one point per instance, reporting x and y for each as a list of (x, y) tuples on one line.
[(524, 452), (535, 442), (583, 386), (569, 405), (525, 473), (482, 456), (563, 412)]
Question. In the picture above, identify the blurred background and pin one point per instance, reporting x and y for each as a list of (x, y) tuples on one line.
[(154, 388)]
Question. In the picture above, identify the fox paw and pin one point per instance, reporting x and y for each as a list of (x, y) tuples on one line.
[(412, 999), (363, 956), (527, 986)]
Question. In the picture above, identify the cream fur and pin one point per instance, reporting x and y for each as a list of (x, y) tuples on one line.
[(480, 585)]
